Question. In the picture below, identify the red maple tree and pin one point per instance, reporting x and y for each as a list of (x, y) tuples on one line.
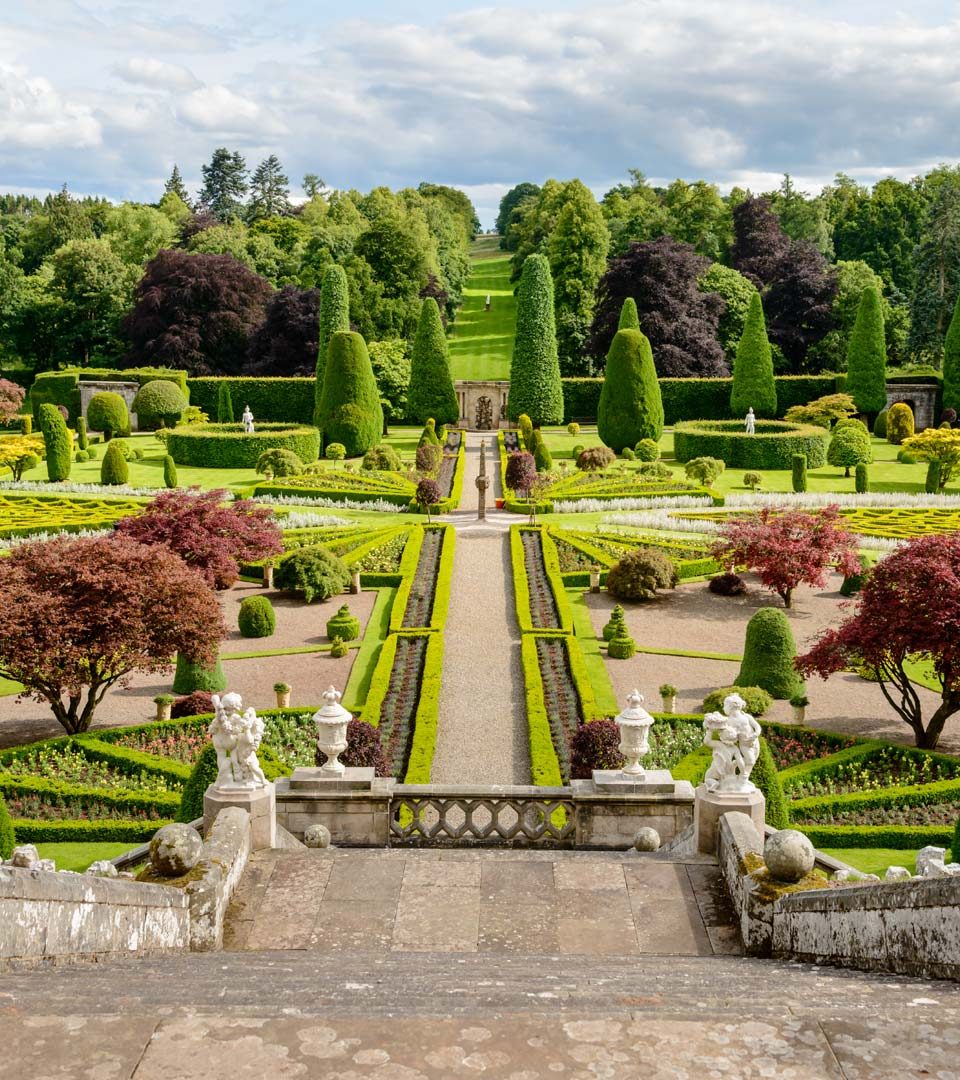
[(210, 535), (81, 614), (908, 612), (787, 548)]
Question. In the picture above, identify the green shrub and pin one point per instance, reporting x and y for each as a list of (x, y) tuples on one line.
[(853, 583), (7, 838), (256, 617), (753, 383), (169, 472), (431, 390), (931, 484), (279, 462), (577, 451), (227, 446), (880, 424), (82, 440), (768, 655), (596, 458), (225, 413), (382, 458), (335, 452), (628, 454), (313, 571), (798, 466), (756, 700), (58, 443), (541, 455), (573, 429), (107, 412), (535, 387), (704, 470), (80, 457), (772, 446), (615, 623), (907, 457), (334, 317), (767, 779), (339, 648), (350, 410), (525, 427), (622, 647), (752, 480), (849, 446), (639, 574), (344, 625), (271, 399), (900, 424), (861, 481), (647, 450), (26, 425), (428, 458), (203, 775), (159, 404), (191, 676), (630, 407), (867, 355), (92, 453), (113, 468)]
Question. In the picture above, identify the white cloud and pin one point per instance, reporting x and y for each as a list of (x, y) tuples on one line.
[(33, 114), (217, 108), (157, 74)]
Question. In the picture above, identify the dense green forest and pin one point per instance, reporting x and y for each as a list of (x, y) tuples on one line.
[(226, 281)]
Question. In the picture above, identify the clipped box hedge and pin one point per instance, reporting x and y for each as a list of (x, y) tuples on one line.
[(900, 837), (63, 387), (227, 446), (771, 447), (69, 831), (283, 400)]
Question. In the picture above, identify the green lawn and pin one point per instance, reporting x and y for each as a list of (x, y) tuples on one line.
[(79, 856), (874, 860), (481, 342)]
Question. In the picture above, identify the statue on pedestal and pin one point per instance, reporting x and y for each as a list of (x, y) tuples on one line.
[(236, 737), (750, 422), (734, 738), (247, 420)]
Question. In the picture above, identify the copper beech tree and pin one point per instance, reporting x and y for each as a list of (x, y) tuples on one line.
[(211, 536), (81, 615), (908, 613), (787, 548)]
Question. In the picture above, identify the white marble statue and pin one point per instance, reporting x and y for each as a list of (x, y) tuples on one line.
[(734, 738), (236, 737), (247, 420), (750, 422)]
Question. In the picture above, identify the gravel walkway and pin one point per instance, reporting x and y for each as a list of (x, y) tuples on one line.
[(482, 732)]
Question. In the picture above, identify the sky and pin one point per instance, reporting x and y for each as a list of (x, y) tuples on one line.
[(107, 96)]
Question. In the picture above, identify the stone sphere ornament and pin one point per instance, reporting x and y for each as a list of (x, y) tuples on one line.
[(789, 855), (317, 836), (647, 839), (175, 850)]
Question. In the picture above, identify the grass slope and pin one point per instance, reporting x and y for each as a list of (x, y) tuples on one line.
[(481, 343), (78, 857)]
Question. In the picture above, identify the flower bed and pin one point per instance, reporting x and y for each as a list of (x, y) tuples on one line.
[(870, 766), (419, 605), (338, 484), (26, 515), (543, 604), (71, 766), (901, 523)]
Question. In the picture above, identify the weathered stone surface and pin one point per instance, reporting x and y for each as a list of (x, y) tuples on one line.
[(223, 860), (647, 839), (897, 873), (789, 855), (102, 868), (711, 806), (316, 836), (25, 856), (175, 850)]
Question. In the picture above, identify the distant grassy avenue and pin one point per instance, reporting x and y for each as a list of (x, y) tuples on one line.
[(482, 341)]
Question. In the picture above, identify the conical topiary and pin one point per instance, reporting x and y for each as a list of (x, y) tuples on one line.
[(616, 623), (58, 443), (535, 386), (525, 427), (753, 384), (334, 316), (169, 472), (768, 655), (622, 647), (224, 404), (429, 433), (629, 319), (350, 412), (113, 468), (343, 625), (867, 355), (431, 390), (82, 441), (191, 676), (951, 362), (541, 454), (630, 407)]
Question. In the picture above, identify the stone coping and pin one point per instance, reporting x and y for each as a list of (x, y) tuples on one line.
[(60, 885)]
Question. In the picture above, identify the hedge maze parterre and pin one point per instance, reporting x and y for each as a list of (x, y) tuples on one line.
[(25, 515)]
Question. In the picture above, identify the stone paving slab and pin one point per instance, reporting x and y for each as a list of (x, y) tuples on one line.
[(563, 903)]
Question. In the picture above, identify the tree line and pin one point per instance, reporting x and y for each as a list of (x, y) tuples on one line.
[(226, 281), (692, 259)]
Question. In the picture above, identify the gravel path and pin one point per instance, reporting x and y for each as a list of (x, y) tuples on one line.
[(482, 733)]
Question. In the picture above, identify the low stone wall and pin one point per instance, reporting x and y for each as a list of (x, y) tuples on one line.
[(46, 916), (225, 853), (908, 927), (740, 853)]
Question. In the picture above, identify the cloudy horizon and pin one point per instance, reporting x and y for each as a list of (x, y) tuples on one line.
[(106, 97)]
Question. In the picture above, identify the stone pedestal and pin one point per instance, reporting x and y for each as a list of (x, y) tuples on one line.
[(710, 806), (260, 804), (650, 782), (316, 780)]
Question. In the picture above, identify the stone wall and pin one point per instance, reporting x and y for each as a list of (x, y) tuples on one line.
[(225, 854), (46, 916)]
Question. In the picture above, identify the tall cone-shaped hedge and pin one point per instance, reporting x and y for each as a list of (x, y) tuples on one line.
[(57, 441), (753, 385), (334, 316), (224, 404), (431, 390), (867, 355), (350, 411), (630, 407), (768, 655), (951, 362), (629, 318), (535, 386)]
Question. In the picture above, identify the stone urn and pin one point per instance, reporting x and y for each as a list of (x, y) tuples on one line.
[(634, 723), (594, 578), (355, 583), (331, 720), (282, 690), (668, 698), (164, 703)]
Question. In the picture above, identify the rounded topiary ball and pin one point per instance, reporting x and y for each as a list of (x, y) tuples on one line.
[(159, 403), (316, 836), (175, 850), (107, 412), (647, 839), (257, 617), (789, 855)]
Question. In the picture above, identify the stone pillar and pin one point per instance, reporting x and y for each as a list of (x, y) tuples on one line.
[(710, 806), (260, 804)]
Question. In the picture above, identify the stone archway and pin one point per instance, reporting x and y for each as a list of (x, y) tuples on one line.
[(483, 420), (922, 399)]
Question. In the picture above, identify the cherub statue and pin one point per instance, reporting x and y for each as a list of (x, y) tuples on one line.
[(734, 738), (236, 738)]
